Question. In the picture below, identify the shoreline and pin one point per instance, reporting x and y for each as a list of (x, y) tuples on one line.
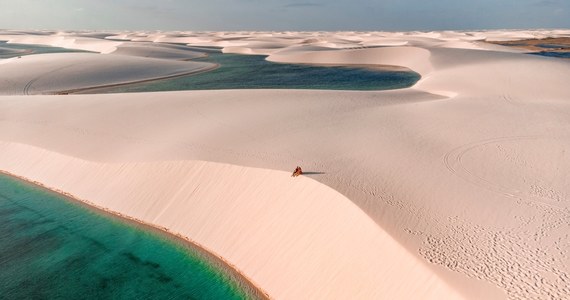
[(94, 89), (178, 239), (370, 67)]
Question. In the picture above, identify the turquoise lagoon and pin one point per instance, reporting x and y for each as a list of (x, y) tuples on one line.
[(54, 248), (238, 71)]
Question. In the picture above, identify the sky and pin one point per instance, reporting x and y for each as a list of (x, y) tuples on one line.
[(307, 15)]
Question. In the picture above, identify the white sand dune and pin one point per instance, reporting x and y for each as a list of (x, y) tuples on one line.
[(456, 187), (64, 41), (106, 42), (208, 202), (60, 72), (385, 43)]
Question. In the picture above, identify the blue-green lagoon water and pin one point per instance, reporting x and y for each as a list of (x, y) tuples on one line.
[(238, 71), (54, 248), (14, 50), (553, 54)]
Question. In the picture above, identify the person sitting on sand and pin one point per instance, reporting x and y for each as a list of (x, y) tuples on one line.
[(298, 171)]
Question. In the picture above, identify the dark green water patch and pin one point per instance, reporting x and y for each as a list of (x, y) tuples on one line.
[(53, 248), (14, 50), (553, 54), (254, 72)]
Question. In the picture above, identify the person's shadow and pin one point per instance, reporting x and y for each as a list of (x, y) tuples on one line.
[(313, 173)]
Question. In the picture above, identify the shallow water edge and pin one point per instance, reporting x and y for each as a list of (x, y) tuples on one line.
[(216, 261)]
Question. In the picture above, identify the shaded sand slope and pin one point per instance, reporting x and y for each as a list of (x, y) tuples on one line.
[(52, 73), (298, 232)]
